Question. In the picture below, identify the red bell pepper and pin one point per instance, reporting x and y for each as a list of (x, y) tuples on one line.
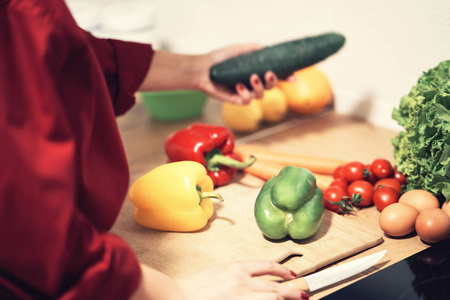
[(211, 146)]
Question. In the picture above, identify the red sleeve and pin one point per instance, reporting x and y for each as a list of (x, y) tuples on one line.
[(64, 171), (124, 66)]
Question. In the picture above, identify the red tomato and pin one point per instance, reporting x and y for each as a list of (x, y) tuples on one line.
[(370, 177), (390, 182), (339, 172), (399, 176), (361, 192), (384, 196), (355, 170), (381, 168), (339, 196), (340, 182)]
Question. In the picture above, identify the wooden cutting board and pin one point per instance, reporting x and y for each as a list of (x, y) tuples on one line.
[(232, 235)]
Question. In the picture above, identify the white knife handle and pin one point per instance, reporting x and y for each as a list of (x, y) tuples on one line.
[(299, 283)]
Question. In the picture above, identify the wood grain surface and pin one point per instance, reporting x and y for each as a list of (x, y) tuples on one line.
[(327, 135), (232, 235)]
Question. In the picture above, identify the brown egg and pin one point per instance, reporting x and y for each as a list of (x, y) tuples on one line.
[(433, 225), (398, 219), (420, 199)]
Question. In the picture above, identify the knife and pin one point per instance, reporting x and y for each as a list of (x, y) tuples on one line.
[(336, 274)]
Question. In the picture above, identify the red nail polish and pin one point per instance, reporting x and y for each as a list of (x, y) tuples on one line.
[(256, 81), (271, 78), (305, 296), (240, 87), (293, 274)]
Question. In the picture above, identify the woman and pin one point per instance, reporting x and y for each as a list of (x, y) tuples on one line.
[(64, 171)]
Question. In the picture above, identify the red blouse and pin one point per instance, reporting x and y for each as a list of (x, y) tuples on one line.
[(64, 174)]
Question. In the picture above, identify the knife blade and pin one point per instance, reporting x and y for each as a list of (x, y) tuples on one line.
[(336, 274)]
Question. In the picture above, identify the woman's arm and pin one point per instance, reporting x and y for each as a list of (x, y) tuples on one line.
[(156, 285)]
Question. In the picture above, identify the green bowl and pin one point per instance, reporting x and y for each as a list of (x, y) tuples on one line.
[(174, 105)]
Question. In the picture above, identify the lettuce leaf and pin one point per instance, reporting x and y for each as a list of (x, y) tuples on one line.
[(422, 148)]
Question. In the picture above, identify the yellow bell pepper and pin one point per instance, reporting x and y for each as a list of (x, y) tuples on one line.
[(174, 197)]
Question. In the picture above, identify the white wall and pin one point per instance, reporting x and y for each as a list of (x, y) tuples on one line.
[(389, 42)]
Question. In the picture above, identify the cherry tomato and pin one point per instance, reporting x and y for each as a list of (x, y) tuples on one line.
[(399, 176), (390, 182), (370, 177), (339, 172), (340, 182), (361, 192), (355, 170), (342, 203), (381, 168), (384, 196)]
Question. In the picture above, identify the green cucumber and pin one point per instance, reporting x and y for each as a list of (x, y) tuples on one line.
[(283, 59)]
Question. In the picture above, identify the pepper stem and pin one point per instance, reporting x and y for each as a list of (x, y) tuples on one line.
[(204, 195), (215, 159)]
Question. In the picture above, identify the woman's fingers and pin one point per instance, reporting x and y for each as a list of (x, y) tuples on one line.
[(257, 91), (257, 85), (238, 280), (258, 268), (283, 291), (243, 92), (267, 267), (271, 80)]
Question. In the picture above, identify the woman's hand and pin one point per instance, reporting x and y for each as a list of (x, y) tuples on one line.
[(242, 95), (239, 280), (233, 281)]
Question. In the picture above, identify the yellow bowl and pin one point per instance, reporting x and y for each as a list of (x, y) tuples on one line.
[(174, 105)]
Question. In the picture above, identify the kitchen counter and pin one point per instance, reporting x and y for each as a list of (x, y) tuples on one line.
[(327, 134)]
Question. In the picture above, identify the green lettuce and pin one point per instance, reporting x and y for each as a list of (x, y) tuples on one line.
[(422, 148)]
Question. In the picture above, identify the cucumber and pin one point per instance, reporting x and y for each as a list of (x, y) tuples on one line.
[(283, 59)]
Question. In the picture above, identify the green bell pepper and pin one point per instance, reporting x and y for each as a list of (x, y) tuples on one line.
[(290, 204)]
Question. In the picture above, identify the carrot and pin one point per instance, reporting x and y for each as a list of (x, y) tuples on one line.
[(266, 170), (319, 165)]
